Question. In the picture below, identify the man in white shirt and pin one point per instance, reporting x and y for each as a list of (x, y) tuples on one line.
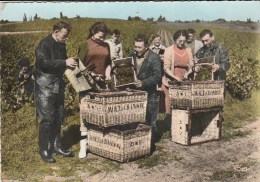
[(195, 45), (116, 49)]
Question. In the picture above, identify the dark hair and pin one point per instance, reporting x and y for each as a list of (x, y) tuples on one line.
[(192, 31), (62, 24), (178, 33), (205, 32), (155, 36), (23, 62), (98, 27), (141, 38), (116, 32)]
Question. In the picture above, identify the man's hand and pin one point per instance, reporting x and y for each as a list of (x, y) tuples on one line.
[(97, 77), (71, 62), (138, 83), (215, 67)]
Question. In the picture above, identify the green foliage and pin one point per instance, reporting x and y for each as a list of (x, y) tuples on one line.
[(204, 73), (234, 118), (243, 77), (19, 46), (125, 75)]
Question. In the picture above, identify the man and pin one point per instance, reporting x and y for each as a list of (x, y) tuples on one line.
[(51, 63), (24, 75), (157, 47), (149, 74), (211, 48), (195, 45), (116, 49)]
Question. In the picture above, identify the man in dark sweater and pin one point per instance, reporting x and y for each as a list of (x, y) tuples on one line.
[(51, 63)]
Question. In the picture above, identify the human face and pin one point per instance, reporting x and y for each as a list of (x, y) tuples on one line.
[(25, 69), (191, 37), (99, 36), (116, 38), (61, 36), (207, 40), (157, 41), (180, 42), (140, 48)]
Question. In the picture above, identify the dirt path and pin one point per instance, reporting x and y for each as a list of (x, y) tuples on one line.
[(238, 159)]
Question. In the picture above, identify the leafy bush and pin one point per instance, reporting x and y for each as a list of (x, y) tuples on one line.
[(243, 77)]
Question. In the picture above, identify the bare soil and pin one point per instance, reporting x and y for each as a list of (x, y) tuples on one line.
[(229, 161)]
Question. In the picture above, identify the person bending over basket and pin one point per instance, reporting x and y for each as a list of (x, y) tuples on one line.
[(149, 74), (178, 62), (94, 51), (211, 48)]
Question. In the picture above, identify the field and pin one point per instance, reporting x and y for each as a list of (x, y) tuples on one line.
[(170, 161)]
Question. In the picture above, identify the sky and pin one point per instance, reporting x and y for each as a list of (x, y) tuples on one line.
[(171, 10)]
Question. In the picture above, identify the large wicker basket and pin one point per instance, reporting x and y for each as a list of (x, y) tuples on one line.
[(196, 94), (114, 108), (196, 126), (120, 143)]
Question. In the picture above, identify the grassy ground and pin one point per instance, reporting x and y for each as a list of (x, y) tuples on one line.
[(20, 159)]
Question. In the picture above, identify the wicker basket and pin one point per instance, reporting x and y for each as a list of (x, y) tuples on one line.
[(196, 126), (114, 108), (120, 143), (196, 94)]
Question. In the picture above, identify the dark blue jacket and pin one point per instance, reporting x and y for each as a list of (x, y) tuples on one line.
[(150, 72)]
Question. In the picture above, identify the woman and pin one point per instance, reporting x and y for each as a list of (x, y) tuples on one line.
[(94, 51), (177, 63)]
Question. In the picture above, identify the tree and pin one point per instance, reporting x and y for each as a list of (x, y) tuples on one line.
[(35, 16), (61, 15), (150, 19), (129, 18), (137, 18), (197, 21), (24, 17), (161, 19)]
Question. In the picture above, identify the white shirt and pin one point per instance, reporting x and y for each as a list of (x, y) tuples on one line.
[(116, 49)]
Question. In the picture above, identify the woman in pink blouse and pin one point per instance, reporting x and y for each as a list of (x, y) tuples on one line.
[(177, 63)]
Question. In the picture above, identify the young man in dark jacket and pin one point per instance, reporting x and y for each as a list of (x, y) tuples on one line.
[(210, 48), (51, 63), (149, 74)]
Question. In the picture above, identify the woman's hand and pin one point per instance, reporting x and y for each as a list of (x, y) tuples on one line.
[(178, 79)]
